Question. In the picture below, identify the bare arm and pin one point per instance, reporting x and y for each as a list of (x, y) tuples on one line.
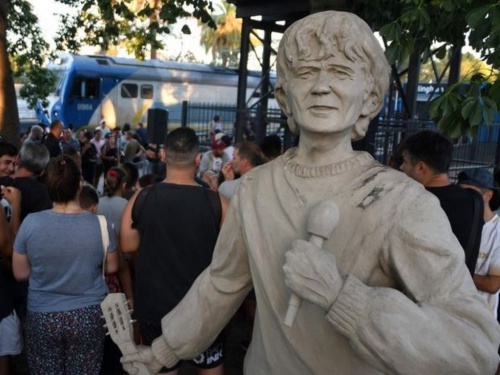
[(125, 277), (21, 266), (487, 283), (129, 237), (112, 262)]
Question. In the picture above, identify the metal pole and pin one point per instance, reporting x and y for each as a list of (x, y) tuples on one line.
[(242, 82), (264, 89)]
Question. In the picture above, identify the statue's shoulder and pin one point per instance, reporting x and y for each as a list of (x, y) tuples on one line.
[(377, 174)]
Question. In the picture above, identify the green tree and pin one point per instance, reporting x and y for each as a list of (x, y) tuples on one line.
[(133, 23), (224, 41), (23, 53), (417, 25)]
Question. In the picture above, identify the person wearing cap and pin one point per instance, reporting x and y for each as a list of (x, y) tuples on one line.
[(213, 159), (487, 274)]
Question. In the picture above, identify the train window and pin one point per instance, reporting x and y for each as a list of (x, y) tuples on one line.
[(85, 88), (129, 90), (147, 91)]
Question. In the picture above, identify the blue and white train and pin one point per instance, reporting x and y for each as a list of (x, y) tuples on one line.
[(120, 90)]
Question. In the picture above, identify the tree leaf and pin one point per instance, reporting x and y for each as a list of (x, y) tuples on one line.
[(476, 115), (478, 16), (441, 52), (391, 31), (393, 53)]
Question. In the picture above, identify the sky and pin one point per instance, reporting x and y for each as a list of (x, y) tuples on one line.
[(45, 11)]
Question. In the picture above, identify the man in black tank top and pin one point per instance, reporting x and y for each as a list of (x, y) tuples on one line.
[(174, 227)]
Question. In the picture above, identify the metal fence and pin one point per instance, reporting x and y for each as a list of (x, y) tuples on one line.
[(199, 116), (478, 151), (482, 150)]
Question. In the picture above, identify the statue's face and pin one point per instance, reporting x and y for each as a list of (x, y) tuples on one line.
[(326, 96)]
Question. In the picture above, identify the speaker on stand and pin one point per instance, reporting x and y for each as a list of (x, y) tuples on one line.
[(157, 125)]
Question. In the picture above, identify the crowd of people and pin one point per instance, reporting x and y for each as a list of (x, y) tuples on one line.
[(53, 257)]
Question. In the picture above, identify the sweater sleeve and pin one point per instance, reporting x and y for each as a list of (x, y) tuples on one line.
[(213, 299), (435, 322)]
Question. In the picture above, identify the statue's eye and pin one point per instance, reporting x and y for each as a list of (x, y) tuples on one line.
[(306, 73)]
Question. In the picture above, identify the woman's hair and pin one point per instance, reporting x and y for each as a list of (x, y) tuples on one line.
[(63, 179), (115, 178), (132, 174), (88, 135)]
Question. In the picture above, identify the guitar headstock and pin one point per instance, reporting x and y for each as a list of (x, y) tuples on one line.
[(117, 315)]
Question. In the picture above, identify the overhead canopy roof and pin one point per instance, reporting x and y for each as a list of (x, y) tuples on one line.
[(287, 10), (272, 10)]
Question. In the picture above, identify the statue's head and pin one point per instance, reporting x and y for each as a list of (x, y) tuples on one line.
[(332, 74)]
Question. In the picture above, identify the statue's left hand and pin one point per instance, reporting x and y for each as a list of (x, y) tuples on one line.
[(312, 274)]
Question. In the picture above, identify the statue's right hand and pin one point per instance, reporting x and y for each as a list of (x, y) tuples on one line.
[(145, 355)]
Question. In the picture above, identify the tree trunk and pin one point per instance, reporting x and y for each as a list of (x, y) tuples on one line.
[(9, 115)]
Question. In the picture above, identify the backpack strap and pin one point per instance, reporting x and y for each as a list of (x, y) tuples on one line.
[(471, 249), (214, 199)]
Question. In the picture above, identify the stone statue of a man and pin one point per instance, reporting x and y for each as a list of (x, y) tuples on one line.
[(388, 290)]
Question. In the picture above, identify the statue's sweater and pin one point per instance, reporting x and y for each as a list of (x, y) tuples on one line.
[(407, 306)]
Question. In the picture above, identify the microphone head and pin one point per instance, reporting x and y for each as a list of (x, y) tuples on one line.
[(323, 219)]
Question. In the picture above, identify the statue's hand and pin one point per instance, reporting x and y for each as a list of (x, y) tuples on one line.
[(312, 274), (143, 354)]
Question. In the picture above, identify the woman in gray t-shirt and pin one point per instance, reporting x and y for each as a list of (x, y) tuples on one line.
[(61, 252)]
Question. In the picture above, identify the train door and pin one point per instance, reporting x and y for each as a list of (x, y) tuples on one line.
[(109, 98)]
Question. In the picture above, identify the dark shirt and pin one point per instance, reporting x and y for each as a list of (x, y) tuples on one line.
[(73, 143), (53, 145), (34, 194), (178, 226), (458, 204)]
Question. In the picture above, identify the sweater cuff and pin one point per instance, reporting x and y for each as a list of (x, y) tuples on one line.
[(163, 353), (350, 306)]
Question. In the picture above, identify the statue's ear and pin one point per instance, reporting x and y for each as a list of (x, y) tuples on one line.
[(371, 106), (280, 96)]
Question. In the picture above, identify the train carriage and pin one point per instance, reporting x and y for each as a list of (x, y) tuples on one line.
[(120, 90)]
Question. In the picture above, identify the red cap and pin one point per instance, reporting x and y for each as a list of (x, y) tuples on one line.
[(218, 145)]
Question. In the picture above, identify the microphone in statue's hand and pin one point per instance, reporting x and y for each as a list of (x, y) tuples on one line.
[(323, 219)]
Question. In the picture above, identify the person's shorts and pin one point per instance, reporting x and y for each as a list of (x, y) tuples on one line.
[(210, 358), (10, 335)]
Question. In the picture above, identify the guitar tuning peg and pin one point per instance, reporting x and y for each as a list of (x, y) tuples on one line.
[(103, 317), (132, 321), (130, 311), (105, 325), (107, 333)]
